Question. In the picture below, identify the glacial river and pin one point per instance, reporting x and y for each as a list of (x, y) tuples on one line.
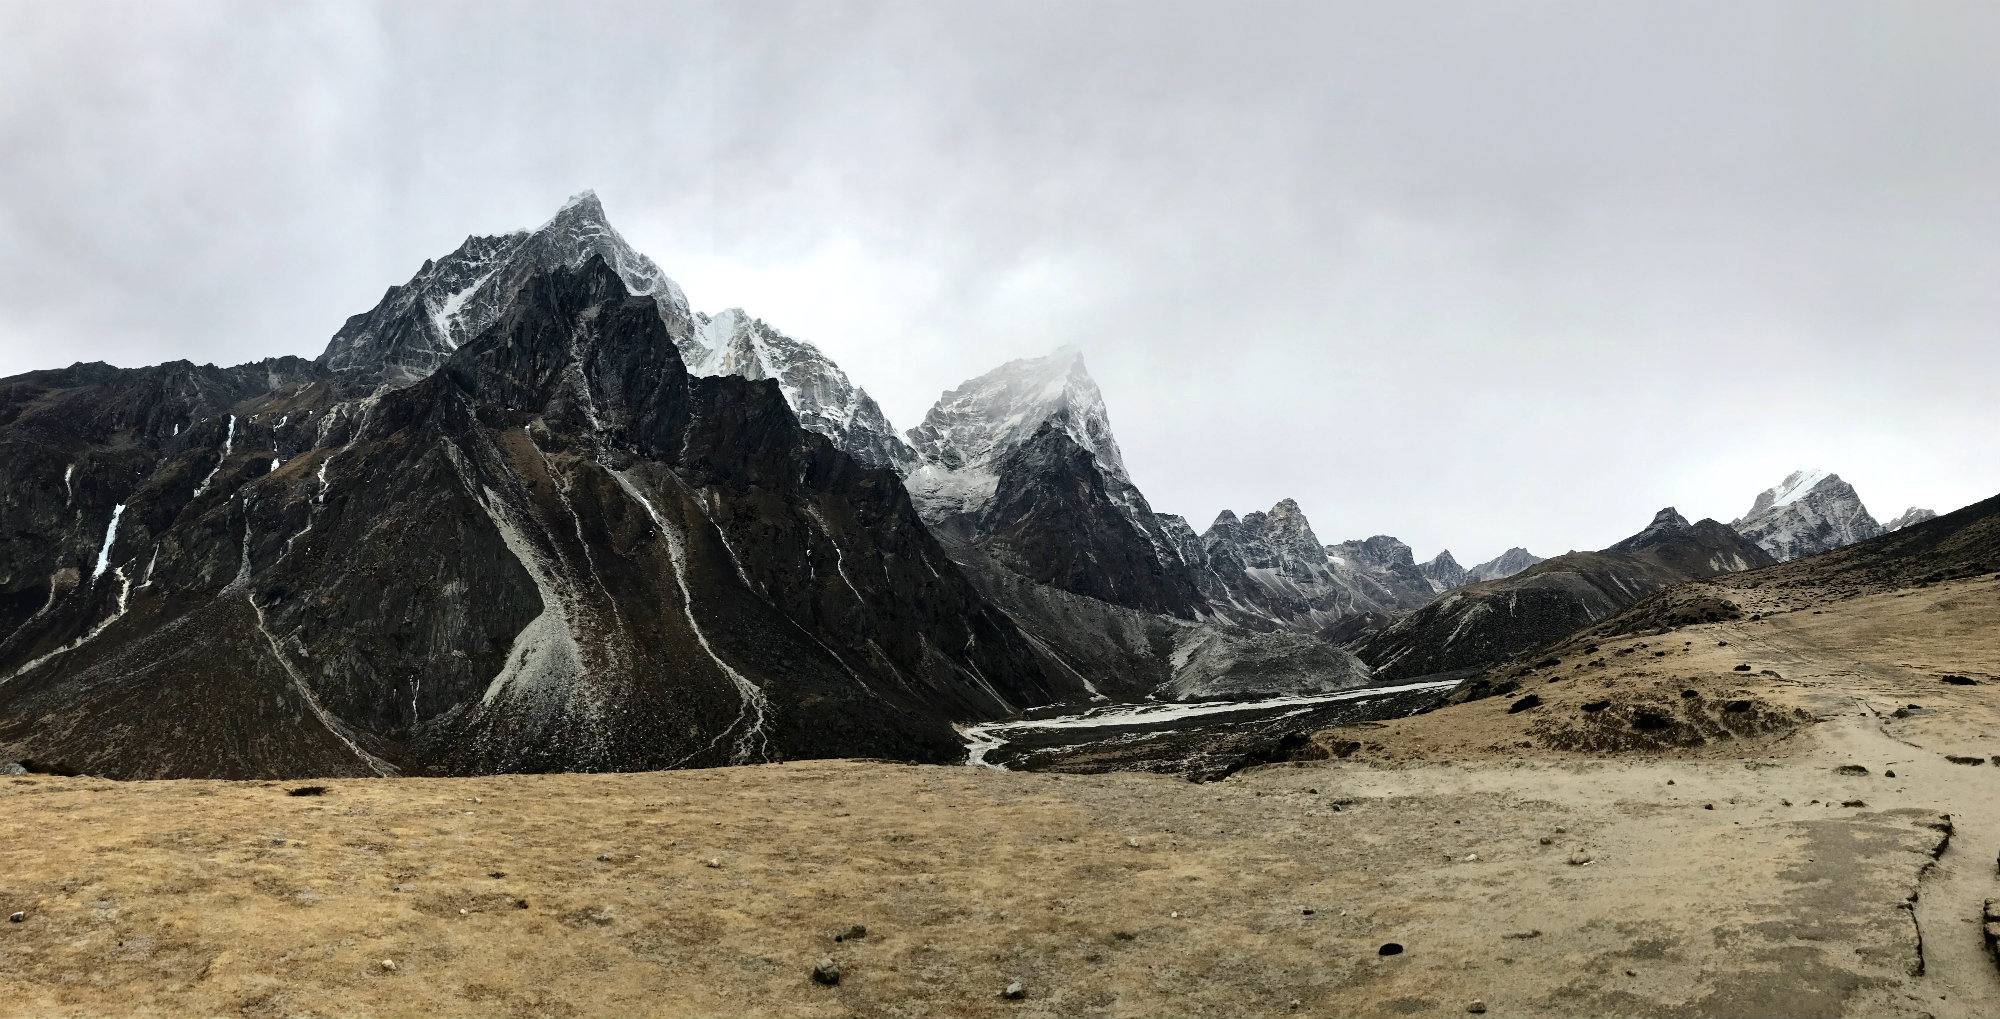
[(1124, 721)]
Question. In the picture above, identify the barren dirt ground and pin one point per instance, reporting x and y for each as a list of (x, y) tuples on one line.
[(1740, 876)]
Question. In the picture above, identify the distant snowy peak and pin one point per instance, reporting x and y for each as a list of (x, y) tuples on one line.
[(1506, 564), (997, 411), (971, 427), (820, 393), (416, 326), (1810, 512), (1913, 515)]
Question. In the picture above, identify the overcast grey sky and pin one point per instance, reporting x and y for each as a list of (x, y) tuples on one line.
[(1473, 274)]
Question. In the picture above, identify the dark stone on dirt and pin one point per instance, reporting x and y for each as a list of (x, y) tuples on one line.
[(1734, 706), (1596, 706), (1390, 948), (827, 972), (1852, 769), (1853, 803), (1650, 721), (1960, 680), (1958, 759), (1690, 693), (17, 918), (1530, 701), (1743, 668), (308, 790)]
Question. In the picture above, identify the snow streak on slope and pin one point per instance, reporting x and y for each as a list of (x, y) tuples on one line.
[(754, 742)]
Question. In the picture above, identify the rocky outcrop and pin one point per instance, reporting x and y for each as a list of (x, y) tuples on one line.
[(558, 551), (1477, 625), (1810, 513)]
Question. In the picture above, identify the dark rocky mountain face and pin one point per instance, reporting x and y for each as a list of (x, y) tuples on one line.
[(1269, 570), (1444, 573), (1475, 626), (818, 391), (1020, 465), (1055, 520), (558, 551), (416, 326)]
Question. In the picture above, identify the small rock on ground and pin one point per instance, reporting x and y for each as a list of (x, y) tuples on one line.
[(1014, 990), (827, 972)]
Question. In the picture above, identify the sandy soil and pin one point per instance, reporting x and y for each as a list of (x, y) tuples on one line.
[(1742, 875)]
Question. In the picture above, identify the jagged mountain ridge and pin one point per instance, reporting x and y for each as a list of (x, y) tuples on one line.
[(1811, 512), (417, 325), (558, 551), (1485, 622), (1269, 570), (819, 392)]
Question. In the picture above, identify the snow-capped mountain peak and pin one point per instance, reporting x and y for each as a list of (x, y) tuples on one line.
[(1811, 512), (453, 299), (999, 410)]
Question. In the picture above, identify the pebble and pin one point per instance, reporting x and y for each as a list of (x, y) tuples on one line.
[(1390, 948), (17, 918), (1548, 840), (1472, 857), (827, 972), (1579, 858), (714, 862), (1559, 829), (1014, 990), (389, 965), (1477, 1007)]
